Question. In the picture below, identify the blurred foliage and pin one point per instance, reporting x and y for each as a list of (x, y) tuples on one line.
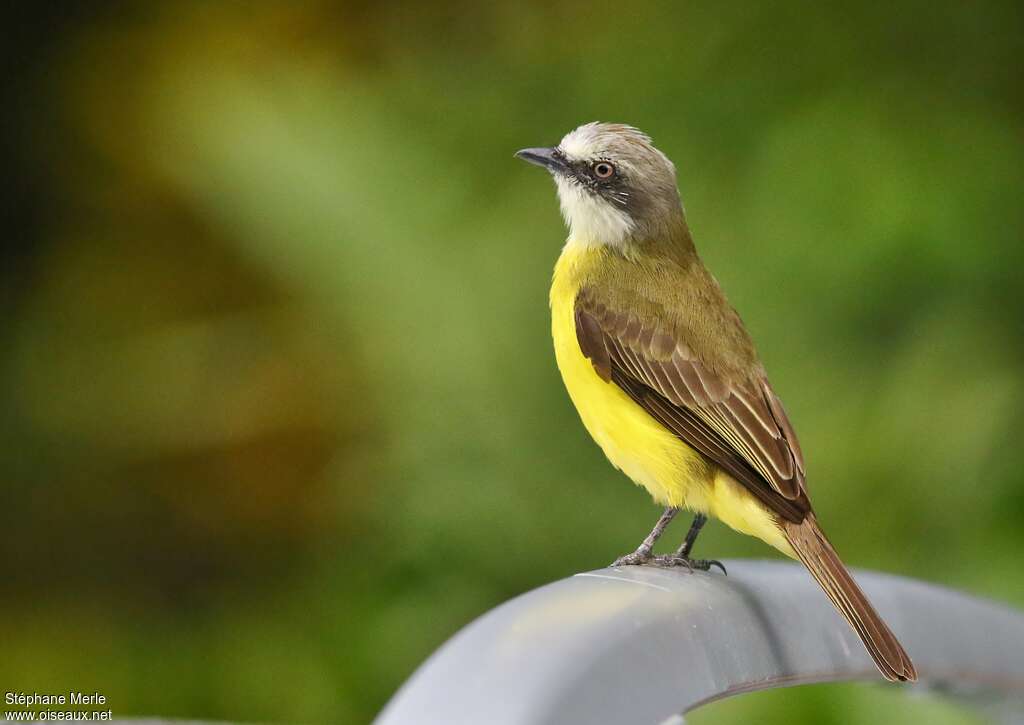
[(279, 408)]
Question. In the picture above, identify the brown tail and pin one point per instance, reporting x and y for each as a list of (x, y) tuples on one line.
[(817, 554)]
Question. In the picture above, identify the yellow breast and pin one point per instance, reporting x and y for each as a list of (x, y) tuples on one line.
[(634, 442)]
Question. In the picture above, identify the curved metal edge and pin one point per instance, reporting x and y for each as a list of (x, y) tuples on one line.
[(643, 644)]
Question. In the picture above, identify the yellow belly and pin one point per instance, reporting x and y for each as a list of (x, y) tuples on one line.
[(636, 443)]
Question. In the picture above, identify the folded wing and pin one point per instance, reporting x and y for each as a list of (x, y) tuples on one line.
[(739, 425)]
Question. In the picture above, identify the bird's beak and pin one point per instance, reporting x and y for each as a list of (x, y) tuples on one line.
[(545, 157)]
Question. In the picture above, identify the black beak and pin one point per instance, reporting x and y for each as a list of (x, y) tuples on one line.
[(549, 158)]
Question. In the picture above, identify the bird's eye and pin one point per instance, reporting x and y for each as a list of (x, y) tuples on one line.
[(604, 170)]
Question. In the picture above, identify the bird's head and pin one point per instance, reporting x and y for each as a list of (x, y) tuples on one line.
[(613, 185)]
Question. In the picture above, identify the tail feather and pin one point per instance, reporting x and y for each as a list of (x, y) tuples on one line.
[(817, 554)]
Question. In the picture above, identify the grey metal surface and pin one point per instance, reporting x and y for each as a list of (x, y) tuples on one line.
[(636, 645)]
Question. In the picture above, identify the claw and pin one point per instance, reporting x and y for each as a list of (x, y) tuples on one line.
[(715, 562)]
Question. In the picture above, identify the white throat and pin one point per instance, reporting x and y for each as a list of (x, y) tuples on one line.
[(592, 221)]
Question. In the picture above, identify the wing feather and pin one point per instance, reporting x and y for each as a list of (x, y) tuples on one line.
[(739, 425)]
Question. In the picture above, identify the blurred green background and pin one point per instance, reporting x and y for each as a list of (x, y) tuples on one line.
[(278, 402)]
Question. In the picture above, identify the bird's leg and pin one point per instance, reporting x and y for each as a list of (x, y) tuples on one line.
[(643, 552), (691, 536), (681, 557)]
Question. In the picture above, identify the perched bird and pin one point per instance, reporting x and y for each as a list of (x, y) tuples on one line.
[(665, 376)]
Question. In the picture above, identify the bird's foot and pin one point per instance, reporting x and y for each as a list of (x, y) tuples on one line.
[(638, 558), (668, 560)]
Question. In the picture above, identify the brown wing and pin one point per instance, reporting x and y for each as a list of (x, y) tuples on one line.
[(741, 427)]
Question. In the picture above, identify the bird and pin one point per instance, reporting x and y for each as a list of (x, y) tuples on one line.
[(665, 376)]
